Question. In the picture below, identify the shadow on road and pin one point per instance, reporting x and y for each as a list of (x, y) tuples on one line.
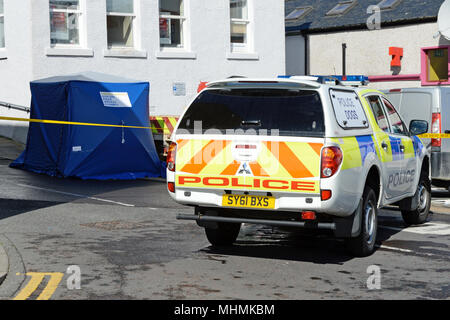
[(13, 207), (319, 247)]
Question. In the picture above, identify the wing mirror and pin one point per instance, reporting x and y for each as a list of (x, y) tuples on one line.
[(417, 127)]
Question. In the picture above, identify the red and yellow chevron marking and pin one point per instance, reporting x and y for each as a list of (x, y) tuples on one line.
[(290, 166), (163, 124)]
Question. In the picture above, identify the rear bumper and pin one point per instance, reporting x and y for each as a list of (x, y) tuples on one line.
[(440, 166), (343, 227), (276, 223)]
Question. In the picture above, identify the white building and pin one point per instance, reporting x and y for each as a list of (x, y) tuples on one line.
[(395, 43), (173, 44)]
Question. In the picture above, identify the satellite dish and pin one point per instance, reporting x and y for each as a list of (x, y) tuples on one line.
[(444, 19)]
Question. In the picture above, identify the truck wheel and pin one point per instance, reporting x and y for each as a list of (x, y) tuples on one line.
[(225, 234), (364, 244), (420, 215)]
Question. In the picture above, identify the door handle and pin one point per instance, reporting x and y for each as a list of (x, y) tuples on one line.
[(384, 146), (402, 148)]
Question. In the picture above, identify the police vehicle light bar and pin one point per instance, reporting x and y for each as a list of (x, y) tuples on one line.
[(351, 80)]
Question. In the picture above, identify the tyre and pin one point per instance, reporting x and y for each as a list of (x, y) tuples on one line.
[(225, 234), (364, 244), (420, 215)]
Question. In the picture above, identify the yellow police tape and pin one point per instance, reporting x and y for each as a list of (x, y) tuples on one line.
[(425, 135), (72, 123), (435, 135)]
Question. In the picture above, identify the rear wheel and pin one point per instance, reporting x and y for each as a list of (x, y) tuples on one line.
[(420, 215), (225, 234), (364, 244)]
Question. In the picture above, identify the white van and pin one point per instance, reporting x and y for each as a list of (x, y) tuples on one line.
[(431, 104)]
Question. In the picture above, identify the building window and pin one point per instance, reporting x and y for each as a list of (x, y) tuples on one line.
[(2, 26), (65, 16), (239, 24), (298, 13), (171, 23), (435, 65), (120, 23), (341, 8), (388, 4)]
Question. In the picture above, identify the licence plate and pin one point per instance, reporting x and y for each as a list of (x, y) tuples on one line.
[(246, 201)]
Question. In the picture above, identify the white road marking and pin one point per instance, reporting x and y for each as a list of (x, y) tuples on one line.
[(394, 248), (404, 250), (441, 229), (76, 195)]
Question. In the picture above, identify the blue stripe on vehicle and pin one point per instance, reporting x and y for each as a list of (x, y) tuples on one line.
[(417, 143), (395, 147), (366, 146)]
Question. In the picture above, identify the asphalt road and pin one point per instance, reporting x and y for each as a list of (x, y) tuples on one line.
[(127, 244)]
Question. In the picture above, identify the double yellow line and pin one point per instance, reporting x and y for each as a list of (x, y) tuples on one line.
[(72, 123), (34, 282)]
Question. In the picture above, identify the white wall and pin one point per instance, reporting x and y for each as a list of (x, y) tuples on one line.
[(295, 55), (368, 51), (208, 21), (15, 66)]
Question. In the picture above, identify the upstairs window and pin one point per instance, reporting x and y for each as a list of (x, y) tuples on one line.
[(298, 13), (120, 23), (388, 4), (2, 26), (239, 24), (65, 16), (171, 23), (341, 8)]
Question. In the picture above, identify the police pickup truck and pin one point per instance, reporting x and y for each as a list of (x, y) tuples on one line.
[(294, 152)]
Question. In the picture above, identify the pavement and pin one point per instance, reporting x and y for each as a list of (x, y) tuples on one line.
[(9, 150), (4, 263), (127, 244)]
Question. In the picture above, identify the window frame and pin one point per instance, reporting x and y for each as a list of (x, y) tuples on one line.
[(332, 12), (81, 11), (246, 46), (134, 25), (2, 15), (425, 66), (183, 26), (306, 10), (382, 110), (366, 120), (392, 6), (405, 129)]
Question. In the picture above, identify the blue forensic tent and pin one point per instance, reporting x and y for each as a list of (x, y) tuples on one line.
[(90, 152)]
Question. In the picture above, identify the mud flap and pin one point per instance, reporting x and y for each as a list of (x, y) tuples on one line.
[(409, 204), (349, 227)]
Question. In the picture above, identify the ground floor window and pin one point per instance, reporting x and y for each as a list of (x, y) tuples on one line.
[(239, 25), (120, 23), (2, 26), (65, 18), (435, 65), (171, 23)]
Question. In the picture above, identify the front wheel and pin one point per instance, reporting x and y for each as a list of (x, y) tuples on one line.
[(224, 235), (364, 244), (420, 215)]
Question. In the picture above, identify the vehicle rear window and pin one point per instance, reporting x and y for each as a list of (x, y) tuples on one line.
[(256, 111)]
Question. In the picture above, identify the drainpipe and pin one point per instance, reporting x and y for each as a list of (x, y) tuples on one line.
[(344, 62)]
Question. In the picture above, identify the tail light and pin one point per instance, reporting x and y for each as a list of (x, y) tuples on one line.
[(171, 154), (331, 160), (436, 128)]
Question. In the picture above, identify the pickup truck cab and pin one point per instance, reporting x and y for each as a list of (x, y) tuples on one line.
[(296, 153)]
